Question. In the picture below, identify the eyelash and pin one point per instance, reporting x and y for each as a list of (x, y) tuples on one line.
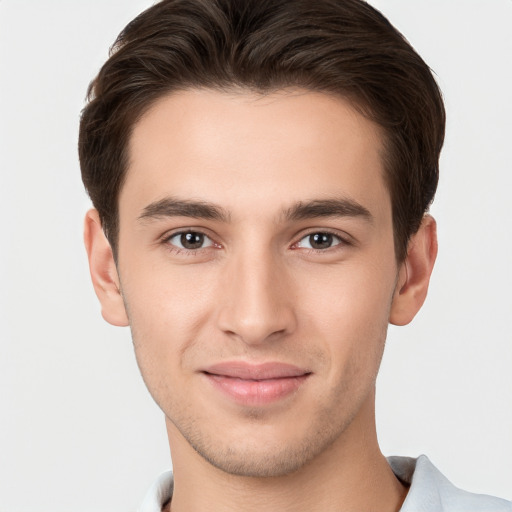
[(343, 242), (165, 240)]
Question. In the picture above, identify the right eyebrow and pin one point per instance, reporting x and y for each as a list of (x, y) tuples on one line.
[(174, 207)]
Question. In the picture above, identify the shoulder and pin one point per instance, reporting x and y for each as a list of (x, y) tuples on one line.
[(431, 491)]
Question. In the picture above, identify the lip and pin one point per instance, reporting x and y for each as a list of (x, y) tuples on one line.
[(256, 384)]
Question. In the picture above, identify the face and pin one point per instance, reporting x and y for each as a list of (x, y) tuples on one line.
[(257, 268)]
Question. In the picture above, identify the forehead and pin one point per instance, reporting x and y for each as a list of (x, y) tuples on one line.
[(245, 150)]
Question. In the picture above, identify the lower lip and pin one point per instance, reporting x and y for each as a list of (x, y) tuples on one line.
[(256, 392)]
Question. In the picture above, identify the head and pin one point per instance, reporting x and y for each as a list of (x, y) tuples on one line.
[(345, 48), (260, 172)]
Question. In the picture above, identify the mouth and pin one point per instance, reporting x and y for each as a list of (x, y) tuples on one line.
[(256, 384)]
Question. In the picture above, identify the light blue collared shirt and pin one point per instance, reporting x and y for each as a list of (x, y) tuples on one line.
[(429, 491)]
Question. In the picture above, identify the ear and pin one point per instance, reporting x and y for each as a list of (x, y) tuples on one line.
[(414, 274), (103, 271)]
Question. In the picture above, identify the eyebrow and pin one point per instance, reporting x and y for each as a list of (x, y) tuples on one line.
[(328, 208), (319, 208), (173, 207)]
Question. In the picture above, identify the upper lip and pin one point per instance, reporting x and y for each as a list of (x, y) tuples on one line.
[(252, 371)]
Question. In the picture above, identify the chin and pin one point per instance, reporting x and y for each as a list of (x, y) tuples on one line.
[(264, 456), (258, 464)]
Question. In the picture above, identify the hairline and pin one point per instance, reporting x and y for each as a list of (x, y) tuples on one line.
[(237, 89)]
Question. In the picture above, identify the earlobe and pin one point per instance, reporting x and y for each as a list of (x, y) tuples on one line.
[(414, 274), (103, 271)]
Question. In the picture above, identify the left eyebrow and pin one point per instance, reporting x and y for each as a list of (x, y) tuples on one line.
[(327, 208)]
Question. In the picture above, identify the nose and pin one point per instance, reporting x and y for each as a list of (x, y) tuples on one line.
[(256, 302)]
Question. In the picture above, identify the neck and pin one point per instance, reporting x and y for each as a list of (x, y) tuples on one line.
[(350, 475)]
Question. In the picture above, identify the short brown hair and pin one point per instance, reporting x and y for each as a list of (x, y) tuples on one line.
[(342, 47)]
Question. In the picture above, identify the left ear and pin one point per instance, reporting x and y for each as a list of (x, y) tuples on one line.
[(414, 274)]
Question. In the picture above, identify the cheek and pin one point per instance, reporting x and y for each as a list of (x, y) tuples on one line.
[(349, 315), (349, 298), (166, 317), (167, 308)]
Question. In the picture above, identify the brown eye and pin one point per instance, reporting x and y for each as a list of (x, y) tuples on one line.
[(190, 240), (320, 240)]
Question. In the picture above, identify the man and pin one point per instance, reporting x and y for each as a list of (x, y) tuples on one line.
[(261, 173)]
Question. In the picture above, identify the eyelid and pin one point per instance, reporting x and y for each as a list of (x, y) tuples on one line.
[(166, 237), (344, 239), (179, 234)]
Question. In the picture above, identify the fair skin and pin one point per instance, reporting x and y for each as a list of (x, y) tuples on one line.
[(256, 269)]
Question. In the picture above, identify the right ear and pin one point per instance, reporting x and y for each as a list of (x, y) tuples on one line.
[(103, 270)]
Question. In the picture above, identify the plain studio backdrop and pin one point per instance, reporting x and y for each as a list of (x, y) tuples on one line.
[(78, 430)]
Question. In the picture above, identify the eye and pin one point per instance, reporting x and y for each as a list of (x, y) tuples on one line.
[(190, 240), (319, 241)]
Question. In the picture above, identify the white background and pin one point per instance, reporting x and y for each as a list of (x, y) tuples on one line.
[(78, 430)]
